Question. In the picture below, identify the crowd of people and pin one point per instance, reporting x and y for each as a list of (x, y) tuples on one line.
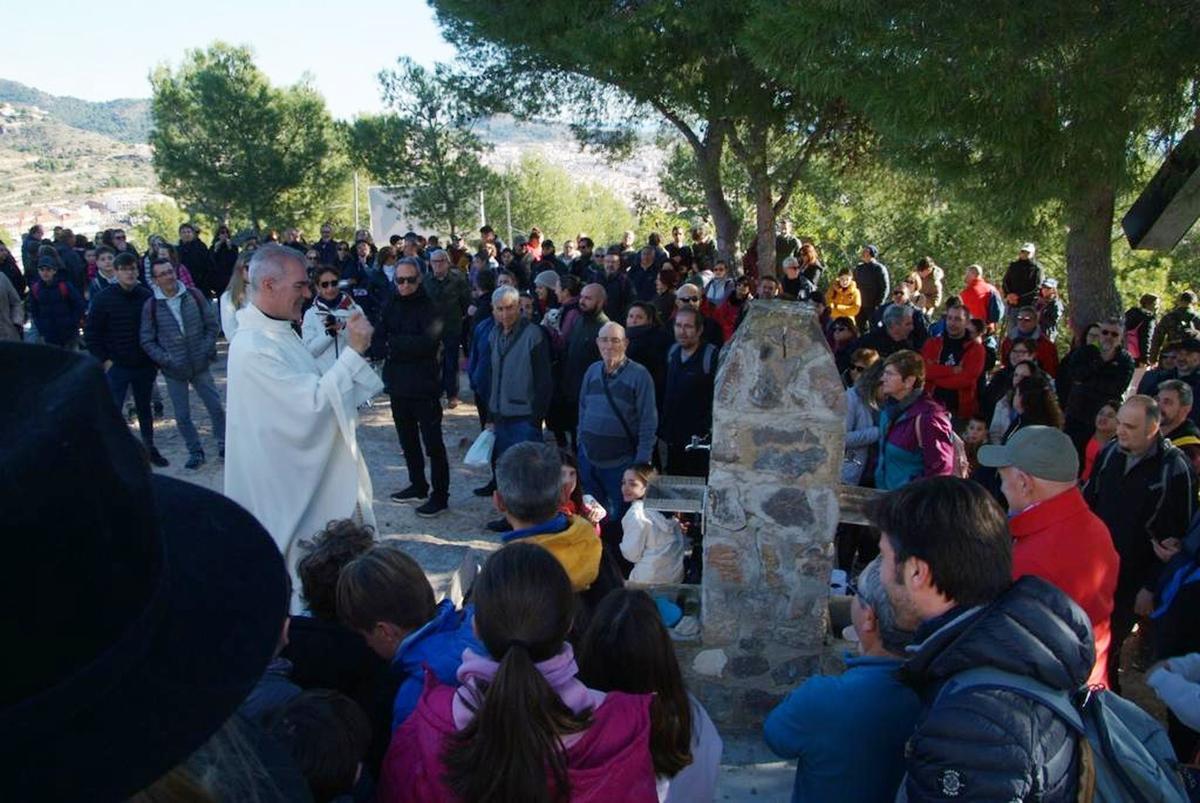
[(1039, 509)]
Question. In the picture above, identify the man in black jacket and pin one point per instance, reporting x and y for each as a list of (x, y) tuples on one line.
[(581, 351), (871, 277), (195, 256), (1097, 374), (1022, 282), (451, 295), (1142, 488), (113, 332), (413, 333), (946, 566)]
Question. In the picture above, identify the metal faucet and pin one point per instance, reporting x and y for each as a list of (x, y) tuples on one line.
[(698, 444)]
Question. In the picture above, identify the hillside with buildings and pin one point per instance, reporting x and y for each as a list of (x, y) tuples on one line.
[(86, 166)]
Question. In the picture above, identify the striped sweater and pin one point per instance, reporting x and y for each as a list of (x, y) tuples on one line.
[(600, 431)]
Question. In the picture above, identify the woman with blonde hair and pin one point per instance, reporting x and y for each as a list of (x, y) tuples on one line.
[(234, 297)]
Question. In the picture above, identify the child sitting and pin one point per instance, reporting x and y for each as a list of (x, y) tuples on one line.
[(326, 734), (651, 542), (385, 597), (626, 648), (522, 726)]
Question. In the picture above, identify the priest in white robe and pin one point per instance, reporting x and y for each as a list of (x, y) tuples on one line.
[(292, 456)]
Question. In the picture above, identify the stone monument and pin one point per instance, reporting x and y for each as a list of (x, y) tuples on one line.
[(771, 511)]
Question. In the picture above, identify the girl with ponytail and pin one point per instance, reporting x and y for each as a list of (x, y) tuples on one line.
[(521, 725)]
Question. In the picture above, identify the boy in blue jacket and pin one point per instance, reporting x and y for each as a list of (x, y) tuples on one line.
[(55, 306), (385, 597)]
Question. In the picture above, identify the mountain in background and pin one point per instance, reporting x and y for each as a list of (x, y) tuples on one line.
[(125, 120)]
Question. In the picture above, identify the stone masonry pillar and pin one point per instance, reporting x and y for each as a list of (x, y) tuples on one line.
[(778, 429)]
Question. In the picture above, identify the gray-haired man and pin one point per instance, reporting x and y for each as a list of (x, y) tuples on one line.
[(521, 382)]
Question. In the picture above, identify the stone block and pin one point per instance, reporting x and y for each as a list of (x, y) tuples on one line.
[(710, 662)]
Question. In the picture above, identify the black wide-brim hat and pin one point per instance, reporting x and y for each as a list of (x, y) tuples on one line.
[(138, 610)]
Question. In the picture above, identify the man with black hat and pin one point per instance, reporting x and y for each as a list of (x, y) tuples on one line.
[(1055, 535), (292, 455), (113, 333), (166, 601)]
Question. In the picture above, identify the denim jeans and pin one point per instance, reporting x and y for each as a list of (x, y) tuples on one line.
[(511, 431), (604, 484), (120, 380), (206, 389)]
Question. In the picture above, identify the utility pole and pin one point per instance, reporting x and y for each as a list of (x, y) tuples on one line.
[(355, 201), (508, 213)]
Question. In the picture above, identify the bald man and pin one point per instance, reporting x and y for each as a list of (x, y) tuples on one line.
[(618, 419)]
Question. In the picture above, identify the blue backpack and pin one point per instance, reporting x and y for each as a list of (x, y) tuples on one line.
[(1125, 754)]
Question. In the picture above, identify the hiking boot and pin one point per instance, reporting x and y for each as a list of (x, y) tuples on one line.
[(499, 526), (410, 494), (485, 490), (434, 507), (195, 460), (156, 457)]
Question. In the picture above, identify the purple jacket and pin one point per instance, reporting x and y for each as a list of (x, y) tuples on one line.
[(905, 455)]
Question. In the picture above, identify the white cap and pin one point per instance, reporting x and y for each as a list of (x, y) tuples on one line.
[(1030, 247)]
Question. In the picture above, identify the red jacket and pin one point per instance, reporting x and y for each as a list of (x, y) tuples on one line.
[(1062, 541), (966, 382), (1045, 353), (983, 301)]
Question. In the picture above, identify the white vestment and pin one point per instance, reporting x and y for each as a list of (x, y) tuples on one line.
[(292, 456)]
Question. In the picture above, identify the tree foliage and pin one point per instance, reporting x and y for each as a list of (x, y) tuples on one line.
[(1019, 107), (425, 146), (546, 196), (651, 60), (229, 145), (157, 217)]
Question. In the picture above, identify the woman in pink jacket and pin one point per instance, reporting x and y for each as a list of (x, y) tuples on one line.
[(521, 725)]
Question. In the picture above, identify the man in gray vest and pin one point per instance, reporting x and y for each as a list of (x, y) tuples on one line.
[(521, 383)]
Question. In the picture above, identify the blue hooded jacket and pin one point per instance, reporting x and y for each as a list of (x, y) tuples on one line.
[(439, 645)]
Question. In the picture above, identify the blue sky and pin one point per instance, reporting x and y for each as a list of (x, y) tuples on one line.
[(105, 51)]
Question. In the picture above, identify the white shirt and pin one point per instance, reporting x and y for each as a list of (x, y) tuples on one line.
[(653, 543)]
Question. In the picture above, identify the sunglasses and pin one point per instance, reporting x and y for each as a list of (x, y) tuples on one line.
[(1110, 333), (407, 279), (1025, 319), (689, 299), (328, 284)]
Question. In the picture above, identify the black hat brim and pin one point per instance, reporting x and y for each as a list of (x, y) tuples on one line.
[(225, 603)]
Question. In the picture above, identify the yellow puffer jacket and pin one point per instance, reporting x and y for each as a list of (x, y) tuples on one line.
[(843, 301), (577, 549)]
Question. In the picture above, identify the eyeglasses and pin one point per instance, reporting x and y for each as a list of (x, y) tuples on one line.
[(609, 340), (1024, 319), (1110, 332), (328, 284), (689, 299), (407, 279)]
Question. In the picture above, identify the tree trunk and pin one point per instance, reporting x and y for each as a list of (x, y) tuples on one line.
[(1090, 280), (708, 161), (764, 215)]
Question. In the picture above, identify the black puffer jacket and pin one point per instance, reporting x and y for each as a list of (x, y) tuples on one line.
[(413, 332), (114, 326), (989, 744)]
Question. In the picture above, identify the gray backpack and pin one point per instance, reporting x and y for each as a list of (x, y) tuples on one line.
[(1126, 756)]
